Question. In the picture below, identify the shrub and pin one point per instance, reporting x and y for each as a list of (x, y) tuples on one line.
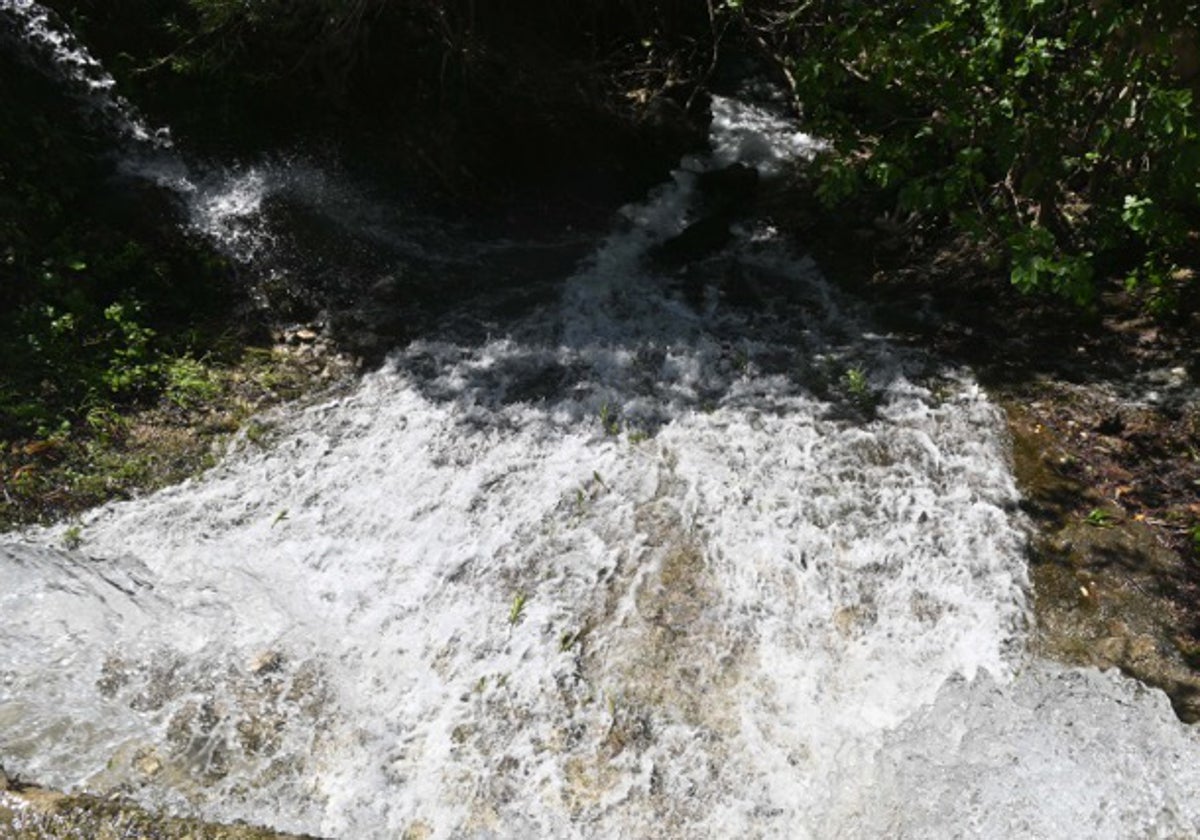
[(1064, 133)]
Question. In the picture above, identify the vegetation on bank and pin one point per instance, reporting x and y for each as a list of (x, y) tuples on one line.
[(1063, 136), (106, 310), (127, 349)]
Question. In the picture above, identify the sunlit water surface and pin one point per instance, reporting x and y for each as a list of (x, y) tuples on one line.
[(642, 563)]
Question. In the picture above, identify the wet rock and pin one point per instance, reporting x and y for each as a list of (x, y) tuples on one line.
[(147, 763), (386, 289), (267, 662), (1106, 590), (1111, 424), (729, 190), (419, 830), (724, 194), (114, 675), (698, 240), (739, 289), (1175, 377), (672, 125)]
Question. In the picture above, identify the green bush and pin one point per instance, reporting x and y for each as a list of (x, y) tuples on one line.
[(1065, 133)]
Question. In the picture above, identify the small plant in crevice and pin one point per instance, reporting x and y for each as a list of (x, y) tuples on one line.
[(72, 538), (257, 433), (1098, 518), (189, 381)]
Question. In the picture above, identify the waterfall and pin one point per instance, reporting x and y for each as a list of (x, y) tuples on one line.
[(650, 560), (32, 28)]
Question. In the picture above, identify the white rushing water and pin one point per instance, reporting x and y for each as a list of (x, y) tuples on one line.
[(643, 563)]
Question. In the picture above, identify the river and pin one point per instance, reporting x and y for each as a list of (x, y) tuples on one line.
[(636, 558)]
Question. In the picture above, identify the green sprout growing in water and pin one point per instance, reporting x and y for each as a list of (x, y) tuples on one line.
[(610, 420), (588, 491), (856, 383), (569, 639), (517, 611)]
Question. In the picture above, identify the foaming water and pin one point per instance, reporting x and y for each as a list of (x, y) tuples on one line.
[(638, 564), (230, 206)]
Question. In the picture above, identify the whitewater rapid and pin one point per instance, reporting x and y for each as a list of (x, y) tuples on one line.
[(638, 563)]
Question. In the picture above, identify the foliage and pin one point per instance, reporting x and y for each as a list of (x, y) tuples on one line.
[(855, 380), (113, 449), (102, 302), (467, 96), (105, 309), (1064, 133), (189, 382)]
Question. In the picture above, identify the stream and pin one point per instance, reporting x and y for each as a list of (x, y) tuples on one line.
[(658, 551)]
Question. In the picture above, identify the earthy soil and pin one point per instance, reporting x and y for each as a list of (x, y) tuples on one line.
[(1103, 408)]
